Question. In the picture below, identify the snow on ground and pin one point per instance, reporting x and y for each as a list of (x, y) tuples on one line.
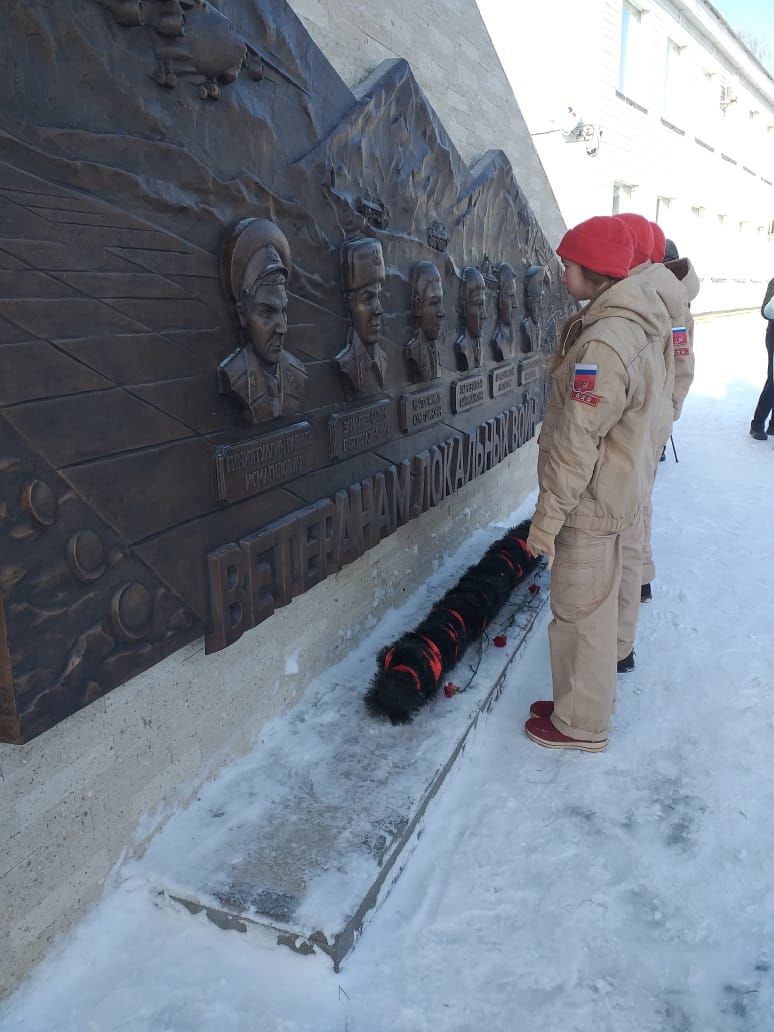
[(627, 891)]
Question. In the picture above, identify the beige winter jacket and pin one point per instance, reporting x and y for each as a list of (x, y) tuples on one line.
[(685, 361), (595, 450), (672, 296)]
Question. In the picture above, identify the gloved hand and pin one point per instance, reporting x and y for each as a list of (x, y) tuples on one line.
[(540, 543)]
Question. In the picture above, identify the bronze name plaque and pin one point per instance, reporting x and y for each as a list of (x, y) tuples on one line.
[(468, 392), (352, 432), (502, 379), (529, 369), (421, 409), (252, 466)]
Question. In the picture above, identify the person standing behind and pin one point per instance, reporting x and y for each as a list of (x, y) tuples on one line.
[(671, 310), (684, 362), (765, 407), (595, 441)]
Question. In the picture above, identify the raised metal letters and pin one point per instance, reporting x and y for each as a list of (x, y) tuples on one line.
[(468, 392), (421, 409), (361, 361), (252, 578), (266, 379), (530, 369), (354, 431), (502, 379), (255, 465)]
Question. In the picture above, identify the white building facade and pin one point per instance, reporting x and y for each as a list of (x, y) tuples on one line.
[(655, 107)]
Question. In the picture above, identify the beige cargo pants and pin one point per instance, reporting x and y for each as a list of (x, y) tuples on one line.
[(585, 579), (632, 552)]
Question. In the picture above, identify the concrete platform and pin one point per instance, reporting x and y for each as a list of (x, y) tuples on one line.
[(307, 833)]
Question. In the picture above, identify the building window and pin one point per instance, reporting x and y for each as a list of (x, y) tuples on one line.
[(622, 192), (662, 209), (697, 212), (631, 17)]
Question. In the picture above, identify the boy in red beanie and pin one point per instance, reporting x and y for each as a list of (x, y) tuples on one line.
[(595, 441)]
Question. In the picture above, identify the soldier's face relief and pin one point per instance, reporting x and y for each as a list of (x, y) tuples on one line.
[(509, 303), (475, 311), (431, 313), (266, 322), (366, 310)]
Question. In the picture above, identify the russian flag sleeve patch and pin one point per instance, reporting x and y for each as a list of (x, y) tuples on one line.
[(680, 341), (583, 383), (585, 378)]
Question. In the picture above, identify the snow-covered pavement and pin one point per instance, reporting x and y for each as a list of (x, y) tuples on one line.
[(626, 891)]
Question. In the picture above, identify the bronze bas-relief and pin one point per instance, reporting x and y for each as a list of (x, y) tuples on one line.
[(266, 379), (362, 362), (536, 284), (505, 335), (123, 465), (195, 42), (421, 352), (472, 311)]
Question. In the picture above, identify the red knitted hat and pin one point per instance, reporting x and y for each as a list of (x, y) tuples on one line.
[(643, 236), (602, 244), (659, 243)]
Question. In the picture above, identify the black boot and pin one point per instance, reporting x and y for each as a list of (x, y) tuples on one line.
[(646, 594), (770, 428), (626, 664), (757, 432)]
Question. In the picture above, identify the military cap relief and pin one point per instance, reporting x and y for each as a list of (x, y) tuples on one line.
[(362, 361), (267, 380)]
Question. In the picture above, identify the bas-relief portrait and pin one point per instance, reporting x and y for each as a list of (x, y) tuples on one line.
[(503, 340), (472, 312), (536, 284), (421, 352), (362, 362), (267, 380)]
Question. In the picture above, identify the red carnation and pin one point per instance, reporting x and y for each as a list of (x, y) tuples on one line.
[(449, 689), (500, 641), (534, 589)]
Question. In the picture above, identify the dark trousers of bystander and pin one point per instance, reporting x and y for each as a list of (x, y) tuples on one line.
[(765, 407)]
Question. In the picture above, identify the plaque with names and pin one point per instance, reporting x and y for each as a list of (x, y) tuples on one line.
[(421, 409), (353, 432), (529, 369), (468, 392), (502, 379), (259, 463)]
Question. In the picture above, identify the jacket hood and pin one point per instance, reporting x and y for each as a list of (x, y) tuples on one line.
[(639, 300), (685, 272)]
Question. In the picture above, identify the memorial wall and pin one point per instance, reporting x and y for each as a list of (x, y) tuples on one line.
[(263, 339)]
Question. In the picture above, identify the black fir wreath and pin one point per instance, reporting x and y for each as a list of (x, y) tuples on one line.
[(410, 670)]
